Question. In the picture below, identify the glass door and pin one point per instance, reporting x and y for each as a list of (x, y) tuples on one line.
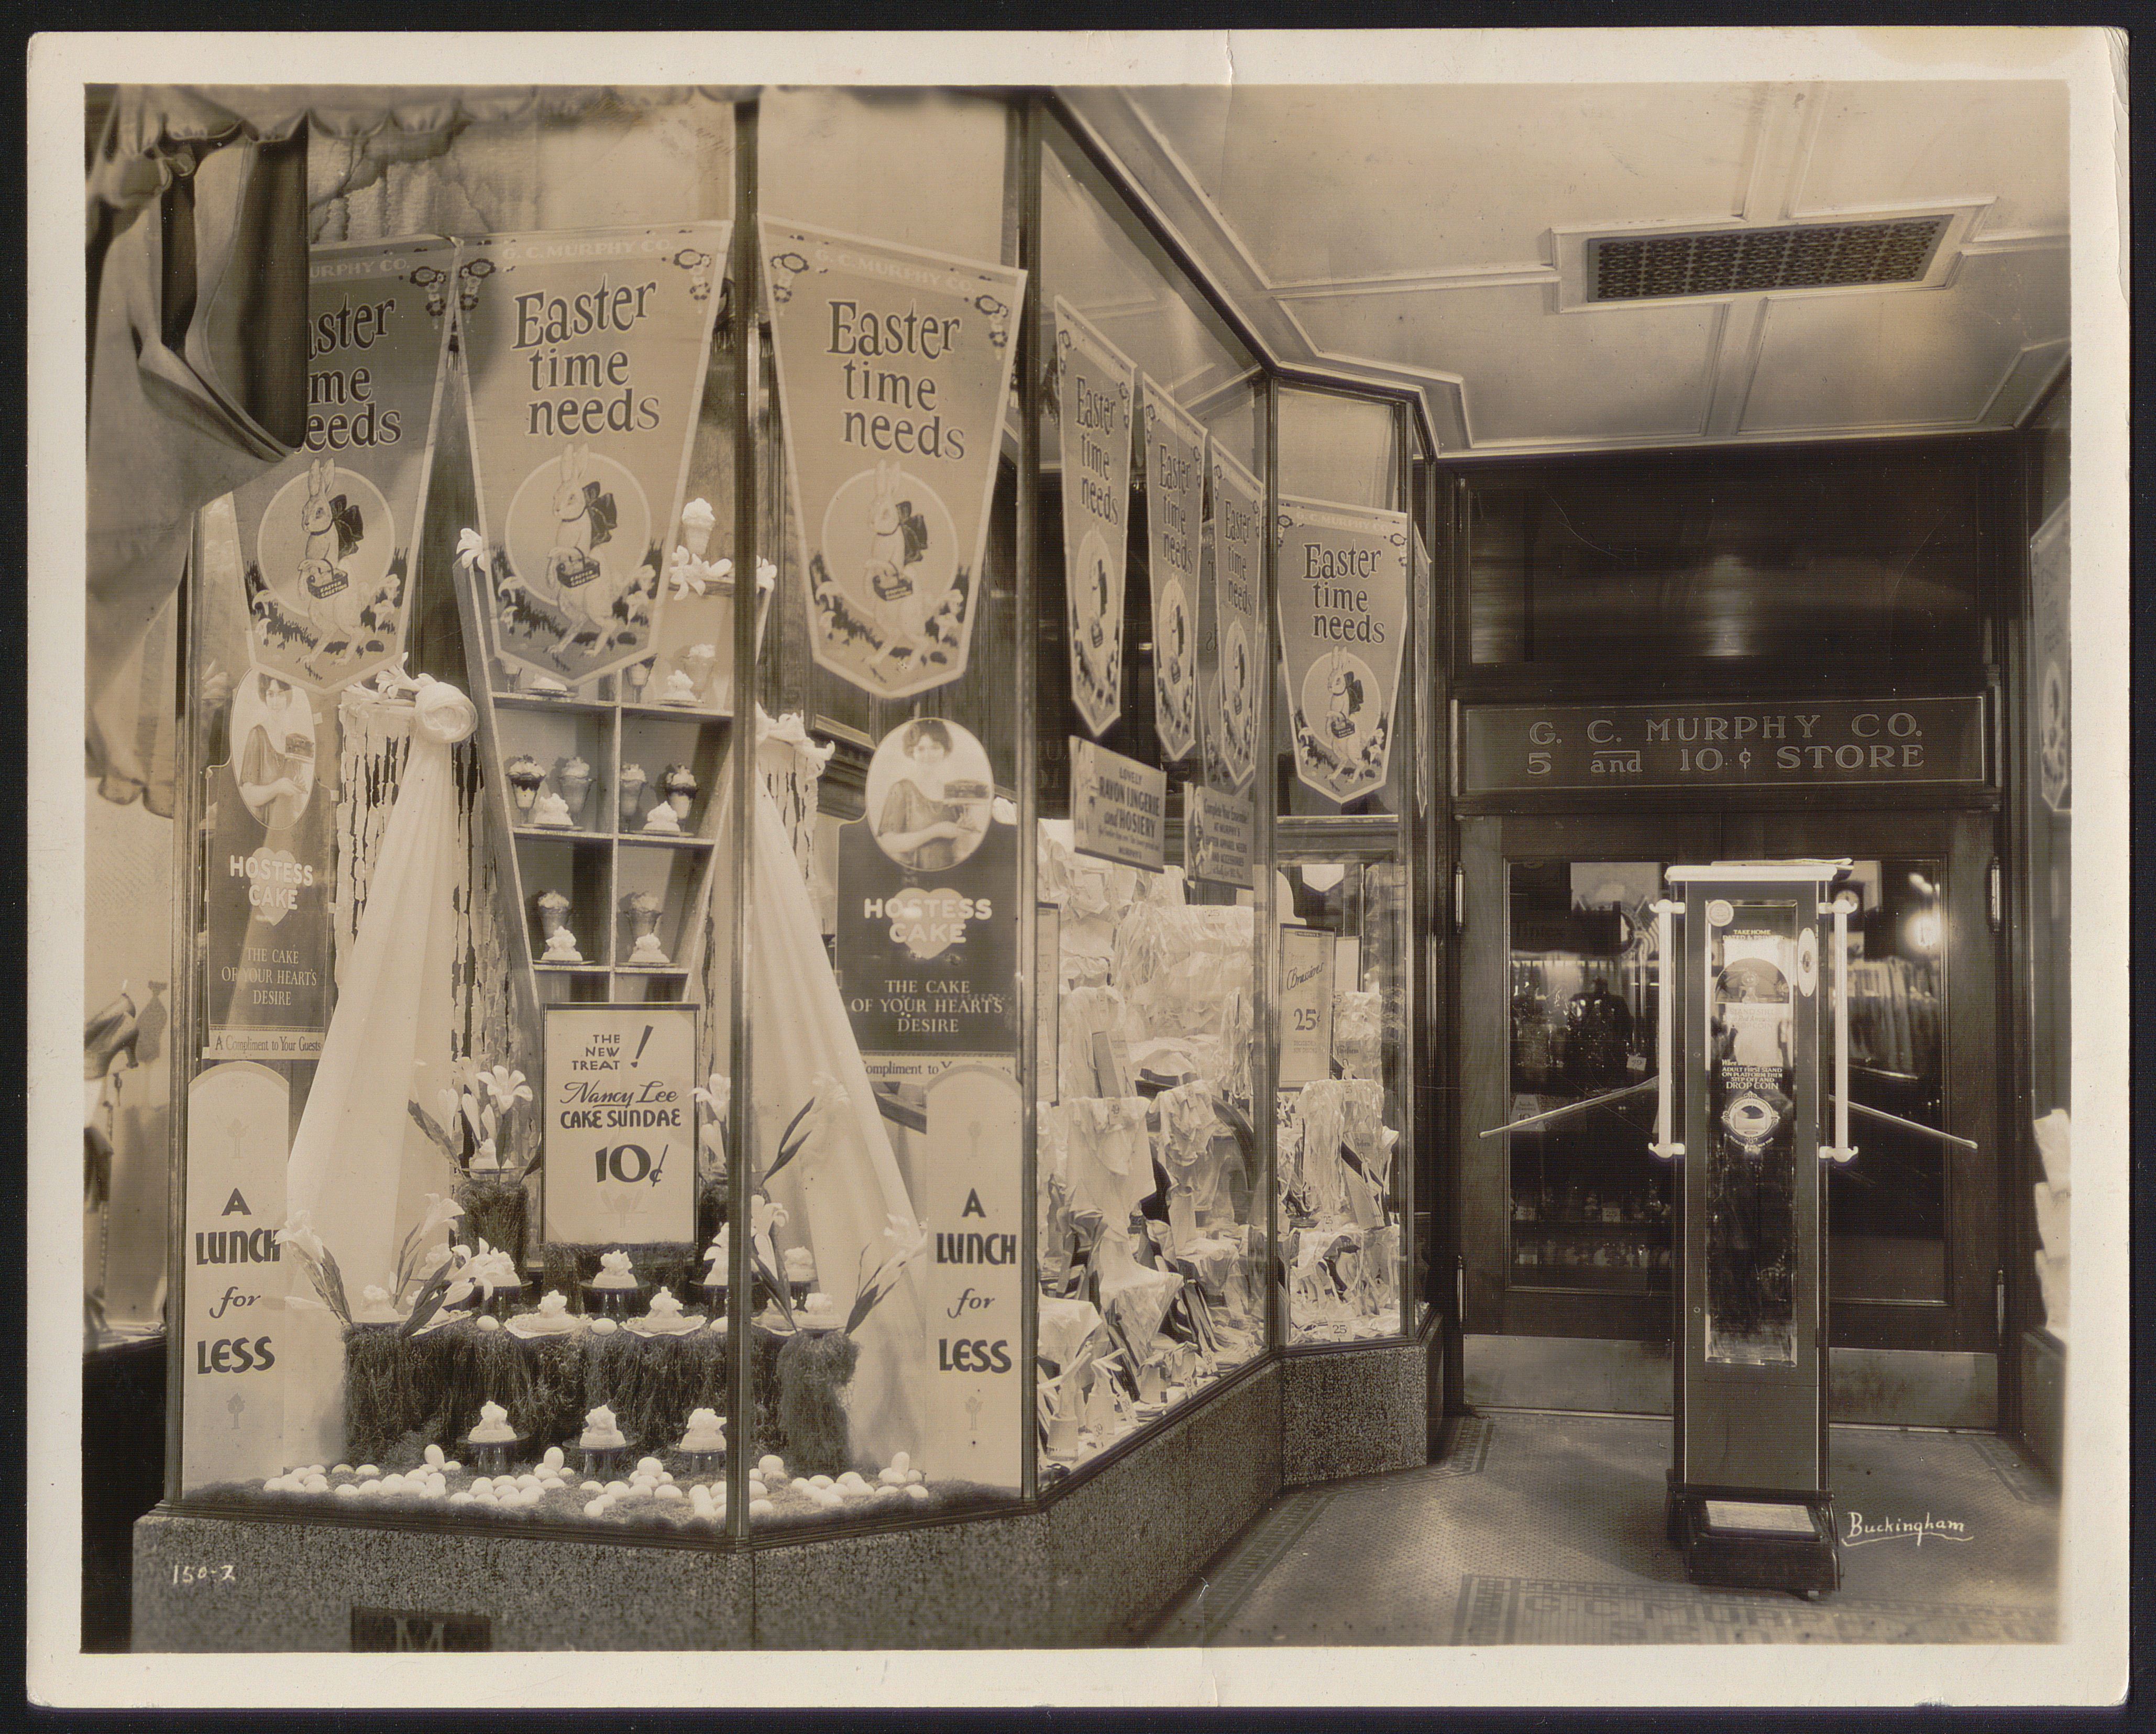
[(1565, 1214), (1912, 1238)]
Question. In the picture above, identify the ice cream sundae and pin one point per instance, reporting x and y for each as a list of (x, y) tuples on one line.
[(677, 784), (525, 774), (643, 910), (572, 776), (631, 783), (554, 923), (697, 520)]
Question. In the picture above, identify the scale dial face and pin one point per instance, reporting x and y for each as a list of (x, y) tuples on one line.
[(1750, 1119)]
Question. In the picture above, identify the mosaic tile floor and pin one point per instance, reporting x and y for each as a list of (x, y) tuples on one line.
[(1548, 1529)]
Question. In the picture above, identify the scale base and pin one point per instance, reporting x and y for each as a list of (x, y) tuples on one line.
[(1786, 1544)]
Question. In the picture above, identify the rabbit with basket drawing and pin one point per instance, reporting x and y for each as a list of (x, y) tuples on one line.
[(584, 513), (332, 527), (898, 537)]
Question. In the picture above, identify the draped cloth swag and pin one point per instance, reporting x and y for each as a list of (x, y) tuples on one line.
[(841, 1193), (360, 1169)]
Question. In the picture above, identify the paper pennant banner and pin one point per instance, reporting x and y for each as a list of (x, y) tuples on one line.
[(1228, 692), (584, 358), (1175, 509), (328, 545), (1094, 394), (894, 367), (1343, 597)]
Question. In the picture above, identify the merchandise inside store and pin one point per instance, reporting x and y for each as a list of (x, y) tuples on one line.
[(818, 884)]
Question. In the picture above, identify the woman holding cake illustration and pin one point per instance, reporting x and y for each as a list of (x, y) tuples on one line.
[(276, 767), (930, 822)]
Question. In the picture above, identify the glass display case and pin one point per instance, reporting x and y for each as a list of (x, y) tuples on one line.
[(808, 949)]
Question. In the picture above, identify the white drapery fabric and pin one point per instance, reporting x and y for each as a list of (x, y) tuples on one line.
[(359, 1166), (842, 1190)]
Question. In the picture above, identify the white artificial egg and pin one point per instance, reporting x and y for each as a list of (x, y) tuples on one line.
[(343, 1469), (347, 1488), (800, 1484), (488, 1321), (669, 1493), (605, 1328), (901, 1462), (617, 1488), (366, 1472), (761, 1508), (453, 1465), (651, 1463), (553, 1458), (891, 1477), (595, 1508), (591, 1487), (916, 1490), (435, 1455), (456, 1499), (484, 1484), (772, 1466), (819, 1482), (913, 1477), (487, 1499)]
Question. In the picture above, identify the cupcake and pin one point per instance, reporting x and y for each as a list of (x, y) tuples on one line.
[(492, 1441), (666, 1318), (603, 1447), (612, 1293), (552, 1319), (703, 1443)]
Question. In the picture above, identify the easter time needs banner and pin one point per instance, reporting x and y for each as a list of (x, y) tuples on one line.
[(1093, 404), (1343, 597), (894, 369), (1175, 512), (1228, 693), (584, 354), (329, 539)]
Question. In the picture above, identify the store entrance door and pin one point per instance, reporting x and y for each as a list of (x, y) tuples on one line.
[(1565, 1245)]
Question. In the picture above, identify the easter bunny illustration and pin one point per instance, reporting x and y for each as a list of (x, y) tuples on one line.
[(898, 537), (332, 526), (569, 563), (1346, 695)]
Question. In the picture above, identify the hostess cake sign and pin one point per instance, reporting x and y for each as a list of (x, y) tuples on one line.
[(584, 356), (894, 367), (328, 538)]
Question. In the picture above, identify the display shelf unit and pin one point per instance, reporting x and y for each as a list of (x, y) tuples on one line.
[(615, 875)]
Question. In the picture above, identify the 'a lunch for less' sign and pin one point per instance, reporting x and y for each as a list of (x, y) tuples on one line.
[(621, 1125)]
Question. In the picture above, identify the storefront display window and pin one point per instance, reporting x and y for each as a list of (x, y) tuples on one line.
[(752, 697), (1152, 1184)]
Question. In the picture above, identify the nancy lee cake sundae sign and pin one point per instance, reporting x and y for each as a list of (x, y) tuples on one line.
[(894, 367), (621, 1132), (584, 356)]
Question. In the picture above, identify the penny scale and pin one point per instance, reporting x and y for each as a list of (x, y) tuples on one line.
[(1748, 1501)]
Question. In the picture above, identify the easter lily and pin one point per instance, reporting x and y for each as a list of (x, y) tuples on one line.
[(472, 546)]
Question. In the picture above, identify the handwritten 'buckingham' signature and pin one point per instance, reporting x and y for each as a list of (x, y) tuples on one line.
[(1888, 1529)]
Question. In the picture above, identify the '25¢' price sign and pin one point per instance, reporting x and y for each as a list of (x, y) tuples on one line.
[(621, 1125)]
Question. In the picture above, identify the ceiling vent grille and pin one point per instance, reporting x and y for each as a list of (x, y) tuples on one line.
[(1746, 261)]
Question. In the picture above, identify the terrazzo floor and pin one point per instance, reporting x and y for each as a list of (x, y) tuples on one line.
[(1541, 1528)]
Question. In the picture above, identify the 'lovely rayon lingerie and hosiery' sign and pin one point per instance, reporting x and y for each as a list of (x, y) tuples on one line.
[(1175, 512), (1342, 590), (1228, 696), (894, 368), (584, 356), (328, 539), (1094, 394)]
